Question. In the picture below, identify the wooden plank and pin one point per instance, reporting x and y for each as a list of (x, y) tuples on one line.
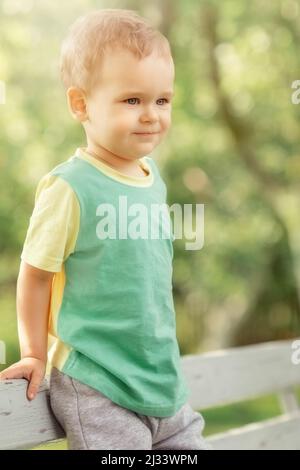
[(24, 424), (236, 374), (281, 433)]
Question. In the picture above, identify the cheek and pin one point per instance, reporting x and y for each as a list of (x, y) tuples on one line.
[(125, 122), (166, 121)]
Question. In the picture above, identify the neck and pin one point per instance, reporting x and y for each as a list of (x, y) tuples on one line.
[(132, 168)]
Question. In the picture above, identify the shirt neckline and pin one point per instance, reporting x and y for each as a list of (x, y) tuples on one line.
[(140, 181)]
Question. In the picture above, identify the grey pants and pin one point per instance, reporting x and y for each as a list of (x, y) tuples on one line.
[(92, 421)]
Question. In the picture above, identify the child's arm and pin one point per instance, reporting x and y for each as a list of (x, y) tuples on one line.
[(33, 297)]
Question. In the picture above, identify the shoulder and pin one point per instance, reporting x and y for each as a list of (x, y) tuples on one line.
[(59, 178), (52, 186), (69, 167)]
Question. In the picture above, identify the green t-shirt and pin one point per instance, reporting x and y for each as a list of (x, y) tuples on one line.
[(117, 313)]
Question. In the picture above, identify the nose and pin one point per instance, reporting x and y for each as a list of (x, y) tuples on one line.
[(149, 114)]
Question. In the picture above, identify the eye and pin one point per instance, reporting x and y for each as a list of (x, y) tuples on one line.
[(130, 99), (164, 99)]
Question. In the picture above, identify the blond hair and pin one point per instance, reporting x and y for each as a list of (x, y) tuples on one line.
[(92, 36)]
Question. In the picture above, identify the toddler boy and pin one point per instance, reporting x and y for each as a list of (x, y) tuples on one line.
[(102, 292)]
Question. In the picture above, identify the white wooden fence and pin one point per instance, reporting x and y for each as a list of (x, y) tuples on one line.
[(216, 378)]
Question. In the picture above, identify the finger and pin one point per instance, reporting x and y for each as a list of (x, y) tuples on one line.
[(34, 385), (13, 373), (3, 373)]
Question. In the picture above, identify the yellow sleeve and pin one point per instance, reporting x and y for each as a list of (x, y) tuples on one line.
[(53, 226)]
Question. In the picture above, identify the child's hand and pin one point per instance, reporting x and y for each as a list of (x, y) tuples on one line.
[(30, 368)]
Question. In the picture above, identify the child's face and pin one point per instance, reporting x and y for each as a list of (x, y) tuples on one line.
[(113, 122)]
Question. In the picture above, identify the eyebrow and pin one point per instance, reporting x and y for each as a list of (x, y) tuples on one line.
[(135, 92)]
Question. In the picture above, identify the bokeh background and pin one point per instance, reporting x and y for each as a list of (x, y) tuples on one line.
[(233, 146)]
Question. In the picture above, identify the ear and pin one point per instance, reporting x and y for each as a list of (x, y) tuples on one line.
[(77, 103)]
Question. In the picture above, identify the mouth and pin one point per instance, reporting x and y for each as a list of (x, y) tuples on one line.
[(146, 133)]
